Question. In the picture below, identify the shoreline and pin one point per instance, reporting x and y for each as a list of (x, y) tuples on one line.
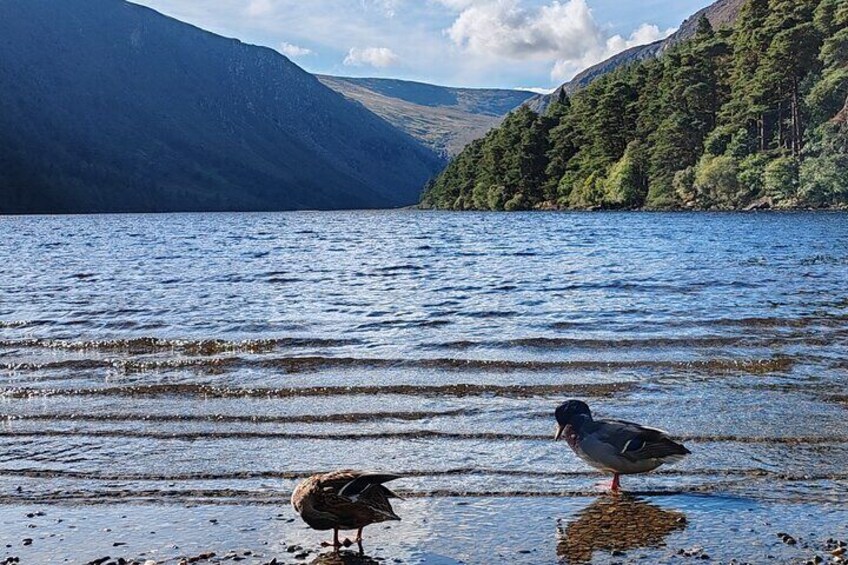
[(417, 208), (708, 528)]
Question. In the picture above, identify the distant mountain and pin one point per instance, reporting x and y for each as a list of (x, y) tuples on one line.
[(445, 119), (721, 14), (106, 106)]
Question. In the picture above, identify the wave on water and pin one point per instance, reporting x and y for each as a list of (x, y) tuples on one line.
[(204, 347), (211, 391), (407, 473), (335, 418), (217, 358), (693, 342), (211, 435), (315, 363)]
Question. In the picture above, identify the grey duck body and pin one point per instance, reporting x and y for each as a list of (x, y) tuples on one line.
[(615, 446)]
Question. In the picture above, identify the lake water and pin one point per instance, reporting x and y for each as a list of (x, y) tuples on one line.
[(159, 372)]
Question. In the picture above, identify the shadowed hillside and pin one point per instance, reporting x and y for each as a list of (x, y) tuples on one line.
[(106, 106)]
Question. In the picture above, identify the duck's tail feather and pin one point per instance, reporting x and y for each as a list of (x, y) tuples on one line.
[(674, 459)]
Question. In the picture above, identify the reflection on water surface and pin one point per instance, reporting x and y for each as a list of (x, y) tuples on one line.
[(616, 524)]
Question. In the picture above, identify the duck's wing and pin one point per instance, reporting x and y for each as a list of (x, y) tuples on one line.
[(359, 495), (639, 443), (365, 483)]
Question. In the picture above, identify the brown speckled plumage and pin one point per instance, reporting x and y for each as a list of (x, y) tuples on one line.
[(344, 500)]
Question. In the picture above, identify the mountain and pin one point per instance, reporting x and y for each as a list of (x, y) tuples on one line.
[(721, 14), (107, 106), (445, 119), (751, 117)]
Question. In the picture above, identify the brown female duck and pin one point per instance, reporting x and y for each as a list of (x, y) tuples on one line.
[(344, 500)]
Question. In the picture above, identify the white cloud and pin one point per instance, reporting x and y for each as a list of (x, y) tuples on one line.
[(379, 57), (257, 8), (536, 89), (388, 7), (565, 32), (507, 29), (457, 42), (290, 50), (565, 68)]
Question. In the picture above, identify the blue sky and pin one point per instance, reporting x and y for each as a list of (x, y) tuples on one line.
[(478, 43)]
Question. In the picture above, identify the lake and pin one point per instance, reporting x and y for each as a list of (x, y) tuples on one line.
[(166, 380)]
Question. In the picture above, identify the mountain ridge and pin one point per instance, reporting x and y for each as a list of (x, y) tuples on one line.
[(721, 14), (108, 106), (746, 118), (446, 119)]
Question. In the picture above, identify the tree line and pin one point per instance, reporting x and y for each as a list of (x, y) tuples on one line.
[(756, 115)]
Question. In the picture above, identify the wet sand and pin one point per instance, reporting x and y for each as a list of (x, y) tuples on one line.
[(436, 531)]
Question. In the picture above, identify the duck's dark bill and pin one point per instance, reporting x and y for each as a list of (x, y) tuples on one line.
[(559, 431)]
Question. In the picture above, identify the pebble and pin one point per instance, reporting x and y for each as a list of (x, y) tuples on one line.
[(787, 539)]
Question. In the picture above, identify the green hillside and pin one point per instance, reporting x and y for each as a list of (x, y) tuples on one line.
[(753, 116)]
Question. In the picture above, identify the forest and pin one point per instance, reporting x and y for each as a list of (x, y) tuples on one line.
[(750, 117)]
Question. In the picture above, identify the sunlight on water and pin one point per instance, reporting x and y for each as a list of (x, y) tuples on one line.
[(148, 363)]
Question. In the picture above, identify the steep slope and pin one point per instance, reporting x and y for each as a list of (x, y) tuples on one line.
[(445, 119), (106, 106), (721, 14), (742, 119)]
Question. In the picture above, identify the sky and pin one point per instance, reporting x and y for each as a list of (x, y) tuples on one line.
[(533, 44)]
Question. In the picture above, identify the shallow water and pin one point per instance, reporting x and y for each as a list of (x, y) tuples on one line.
[(211, 361)]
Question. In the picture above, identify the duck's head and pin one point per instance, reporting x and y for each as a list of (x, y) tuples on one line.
[(573, 413)]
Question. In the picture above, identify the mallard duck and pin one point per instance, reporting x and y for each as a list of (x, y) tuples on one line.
[(344, 500), (615, 446)]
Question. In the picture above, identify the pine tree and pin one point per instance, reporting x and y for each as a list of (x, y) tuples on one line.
[(716, 122)]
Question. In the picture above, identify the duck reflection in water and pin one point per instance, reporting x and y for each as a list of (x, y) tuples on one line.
[(344, 558), (620, 523)]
